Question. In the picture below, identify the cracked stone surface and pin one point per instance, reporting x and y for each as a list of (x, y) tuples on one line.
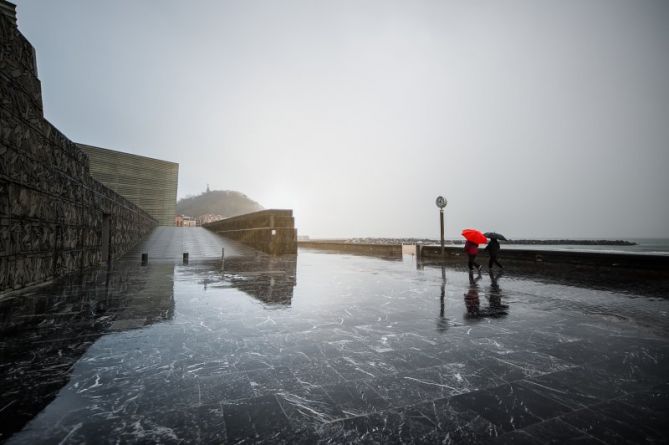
[(330, 348)]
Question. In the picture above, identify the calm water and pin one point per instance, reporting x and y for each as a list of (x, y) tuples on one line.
[(656, 246)]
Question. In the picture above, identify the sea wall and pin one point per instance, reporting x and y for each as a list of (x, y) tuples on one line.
[(271, 231), (390, 250), (54, 217), (657, 264)]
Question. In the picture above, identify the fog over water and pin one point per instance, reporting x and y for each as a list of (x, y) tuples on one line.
[(534, 118)]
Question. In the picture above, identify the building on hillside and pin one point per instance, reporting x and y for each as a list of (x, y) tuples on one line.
[(146, 182), (208, 218), (184, 221)]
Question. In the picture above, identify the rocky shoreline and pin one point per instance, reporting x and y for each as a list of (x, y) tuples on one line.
[(459, 242)]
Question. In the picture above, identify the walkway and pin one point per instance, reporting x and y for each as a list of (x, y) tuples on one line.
[(328, 348)]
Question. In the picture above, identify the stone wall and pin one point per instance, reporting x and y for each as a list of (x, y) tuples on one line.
[(590, 260), (388, 250), (271, 231), (51, 209), (638, 274)]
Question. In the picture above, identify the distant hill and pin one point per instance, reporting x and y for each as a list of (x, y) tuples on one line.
[(219, 202)]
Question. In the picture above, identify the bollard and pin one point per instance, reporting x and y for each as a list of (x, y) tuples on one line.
[(185, 257), (145, 259)]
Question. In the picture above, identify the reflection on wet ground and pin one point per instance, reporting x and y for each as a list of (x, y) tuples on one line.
[(333, 348), (267, 278), (494, 296), (46, 330)]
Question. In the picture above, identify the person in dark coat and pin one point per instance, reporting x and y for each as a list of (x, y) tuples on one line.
[(472, 249), (493, 250)]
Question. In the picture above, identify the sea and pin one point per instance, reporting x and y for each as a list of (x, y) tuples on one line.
[(644, 246)]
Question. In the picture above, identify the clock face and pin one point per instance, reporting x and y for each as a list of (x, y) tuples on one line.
[(441, 202)]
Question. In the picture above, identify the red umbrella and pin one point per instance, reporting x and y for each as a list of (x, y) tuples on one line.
[(474, 236)]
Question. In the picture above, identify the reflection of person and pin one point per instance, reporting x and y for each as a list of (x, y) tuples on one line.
[(472, 301), (493, 250), (495, 294), (472, 249)]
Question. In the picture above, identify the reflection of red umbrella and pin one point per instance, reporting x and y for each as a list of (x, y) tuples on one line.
[(474, 236)]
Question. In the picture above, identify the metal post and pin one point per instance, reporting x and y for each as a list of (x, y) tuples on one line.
[(222, 253), (441, 220), (145, 259), (443, 291), (185, 257)]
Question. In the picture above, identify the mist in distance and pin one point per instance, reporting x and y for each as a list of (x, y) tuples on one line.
[(534, 118)]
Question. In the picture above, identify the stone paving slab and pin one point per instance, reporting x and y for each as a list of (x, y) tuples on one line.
[(330, 348)]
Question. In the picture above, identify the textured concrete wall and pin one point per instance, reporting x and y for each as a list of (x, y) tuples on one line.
[(149, 183), (272, 231), (51, 209)]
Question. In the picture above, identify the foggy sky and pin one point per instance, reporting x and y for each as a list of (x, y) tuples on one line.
[(534, 118)]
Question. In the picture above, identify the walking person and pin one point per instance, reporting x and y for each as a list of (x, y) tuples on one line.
[(474, 238), (493, 249), (472, 249)]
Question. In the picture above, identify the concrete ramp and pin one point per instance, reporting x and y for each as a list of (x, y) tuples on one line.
[(169, 243)]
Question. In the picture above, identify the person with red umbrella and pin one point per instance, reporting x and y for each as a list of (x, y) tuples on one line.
[(474, 238)]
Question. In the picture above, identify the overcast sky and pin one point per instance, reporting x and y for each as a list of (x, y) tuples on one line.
[(533, 118)]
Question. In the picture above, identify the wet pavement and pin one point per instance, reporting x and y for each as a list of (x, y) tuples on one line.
[(329, 348)]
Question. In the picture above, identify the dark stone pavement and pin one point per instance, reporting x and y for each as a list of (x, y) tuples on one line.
[(330, 348)]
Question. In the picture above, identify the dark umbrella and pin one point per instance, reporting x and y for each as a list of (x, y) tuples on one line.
[(495, 235)]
